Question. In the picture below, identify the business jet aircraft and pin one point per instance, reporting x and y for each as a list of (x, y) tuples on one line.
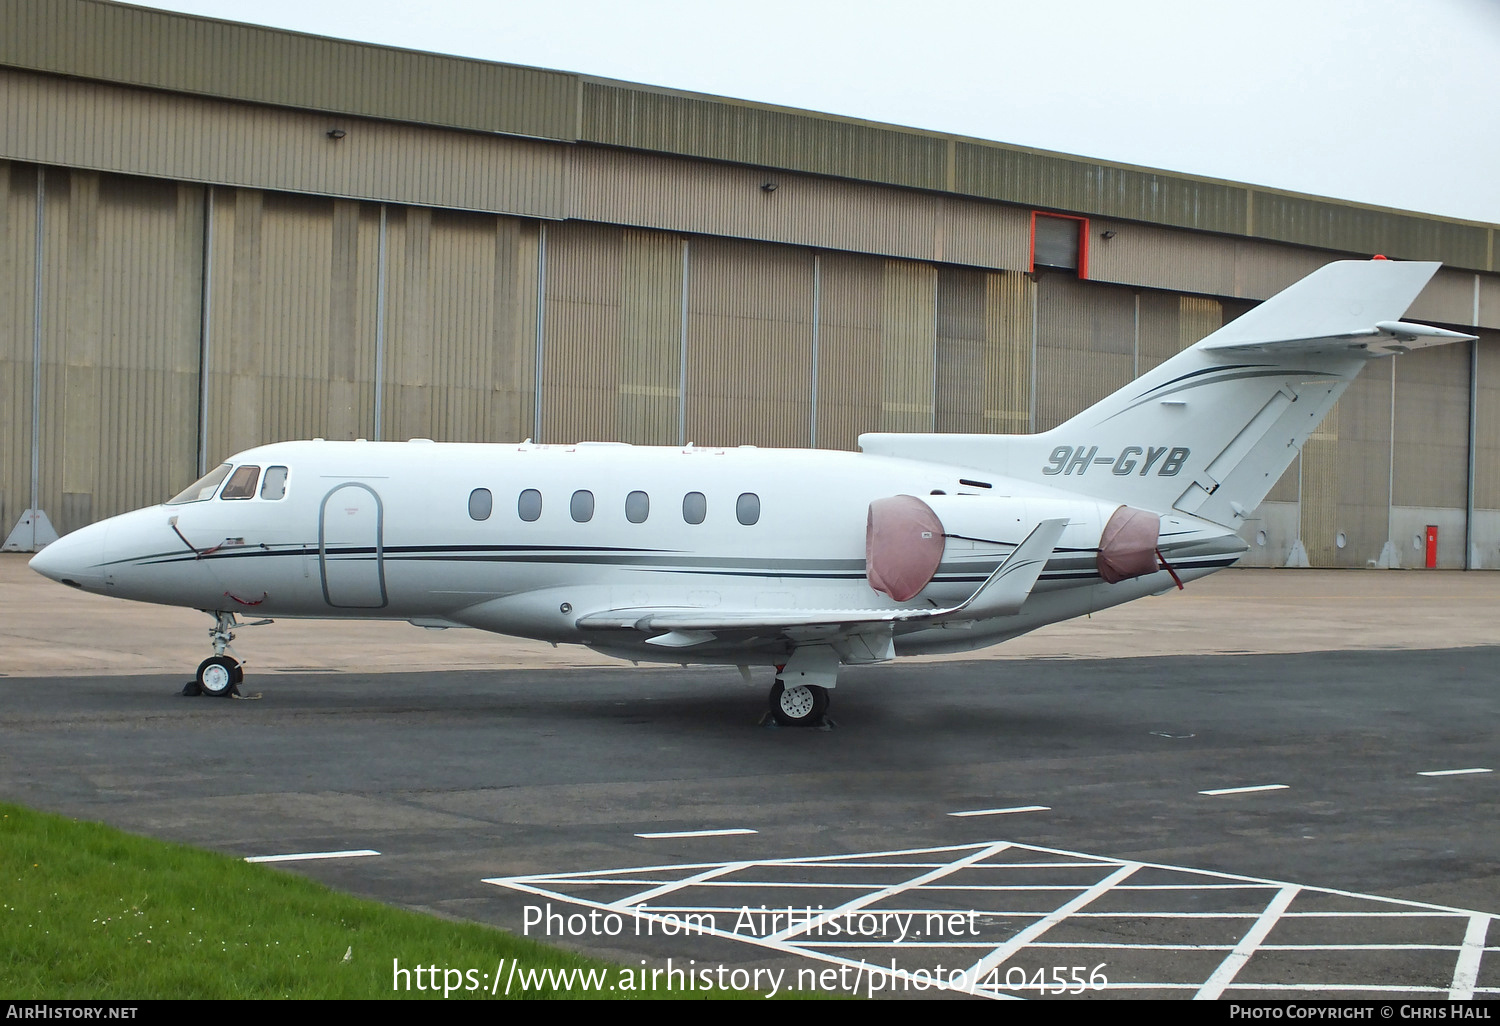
[(805, 560)]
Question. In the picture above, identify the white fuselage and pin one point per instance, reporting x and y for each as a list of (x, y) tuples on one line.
[(403, 531)]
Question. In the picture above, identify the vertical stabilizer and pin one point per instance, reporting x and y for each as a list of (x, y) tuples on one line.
[(1211, 430)]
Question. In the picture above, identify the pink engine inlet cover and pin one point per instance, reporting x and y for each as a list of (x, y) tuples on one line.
[(1127, 548), (903, 546)]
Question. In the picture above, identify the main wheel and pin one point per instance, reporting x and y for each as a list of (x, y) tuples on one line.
[(218, 675), (801, 705)]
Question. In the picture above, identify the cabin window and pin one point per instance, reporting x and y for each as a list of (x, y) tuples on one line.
[(201, 489), (637, 507), (694, 507), (529, 505), (274, 485), (747, 508), (582, 506), (481, 503), (241, 483)]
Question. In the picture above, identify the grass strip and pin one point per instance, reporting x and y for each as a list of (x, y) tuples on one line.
[(90, 912)]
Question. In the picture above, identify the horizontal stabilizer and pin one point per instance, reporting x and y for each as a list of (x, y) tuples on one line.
[(1347, 305), (1383, 339), (1002, 594)]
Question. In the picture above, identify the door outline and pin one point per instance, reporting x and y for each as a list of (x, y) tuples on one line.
[(379, 547)]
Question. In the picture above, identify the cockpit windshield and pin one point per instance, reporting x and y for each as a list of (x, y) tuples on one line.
[(203, 488)]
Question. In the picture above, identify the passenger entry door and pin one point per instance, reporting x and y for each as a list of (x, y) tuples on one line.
[(350, 554)]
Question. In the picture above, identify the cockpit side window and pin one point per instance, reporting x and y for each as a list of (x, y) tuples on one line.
[(241, 483), (274, 485), (201, 489)]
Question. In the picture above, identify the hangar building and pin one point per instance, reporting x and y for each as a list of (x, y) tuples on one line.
[(214, 235)]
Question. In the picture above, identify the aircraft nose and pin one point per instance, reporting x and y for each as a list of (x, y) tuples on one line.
[(75, 559)]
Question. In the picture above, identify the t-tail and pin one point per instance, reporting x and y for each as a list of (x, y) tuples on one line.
[(1211, 430)]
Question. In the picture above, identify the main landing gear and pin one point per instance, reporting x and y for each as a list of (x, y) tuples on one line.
[(220, 675), (801, 705), (799, 698)]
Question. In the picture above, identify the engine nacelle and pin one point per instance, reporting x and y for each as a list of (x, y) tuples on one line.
[(908, 538)]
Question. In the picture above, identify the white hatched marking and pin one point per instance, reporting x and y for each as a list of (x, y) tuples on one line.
[(1228, 969), (886, 892), (981, 968), (647, 895), (898, 957), (1466, 972)]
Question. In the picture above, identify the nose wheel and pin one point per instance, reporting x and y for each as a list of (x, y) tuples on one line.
[(218, 676)]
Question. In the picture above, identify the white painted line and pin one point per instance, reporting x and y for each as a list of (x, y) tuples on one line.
[(697, 833), (1453, 773), (1246, 790), (979, 970), (302, 856), (1466, 971), (1002, 812), (650, 894), (924, 880), (1223, 976)]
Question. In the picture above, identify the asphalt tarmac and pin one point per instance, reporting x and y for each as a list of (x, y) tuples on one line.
[(502, 796)]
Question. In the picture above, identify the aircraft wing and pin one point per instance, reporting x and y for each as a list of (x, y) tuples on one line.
[(1001, 594)]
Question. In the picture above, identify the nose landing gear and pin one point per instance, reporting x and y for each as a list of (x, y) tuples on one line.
[(220, 675)]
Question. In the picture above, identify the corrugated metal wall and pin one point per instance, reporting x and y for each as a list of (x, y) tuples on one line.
[(1431, 450), (959, 392), (17, 275), (126, 44), (1487, 428), (458, 359), (1346, 476), (1074, 184), (273, 342), (1085, 345), (651, 338), (849, 347), (120, 310), (1354, 229), (908, 323), (617, 114), (749, 344), (983, 352), (128, 89), (695, 197), (1432, 429), (134, 131), (581, 351)]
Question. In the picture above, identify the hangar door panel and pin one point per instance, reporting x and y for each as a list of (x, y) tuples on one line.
[(350, 553)]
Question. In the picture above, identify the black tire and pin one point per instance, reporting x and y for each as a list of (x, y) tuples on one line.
[(801, 705), (218, 675)]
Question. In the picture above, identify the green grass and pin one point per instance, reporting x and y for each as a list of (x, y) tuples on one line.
[(89, 912)]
